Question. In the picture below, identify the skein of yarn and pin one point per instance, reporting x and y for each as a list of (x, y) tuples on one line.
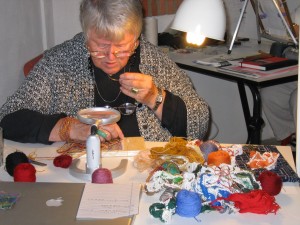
[(270, 182), (256, 201), (102, 176), (218, 157), (24, 172), (14, 159), (63, 161), (188, 203), (208, 147)]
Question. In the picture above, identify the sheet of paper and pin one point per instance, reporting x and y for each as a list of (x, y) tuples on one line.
[(223, 59), (109, 201)]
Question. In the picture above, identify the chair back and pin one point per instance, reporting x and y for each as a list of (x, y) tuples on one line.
[(30, 64)]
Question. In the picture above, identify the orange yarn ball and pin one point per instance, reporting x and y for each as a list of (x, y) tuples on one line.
[(218, 157)]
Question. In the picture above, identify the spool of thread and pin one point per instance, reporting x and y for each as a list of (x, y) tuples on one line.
[(14, 159), (208, 147), (63, 161), (270, 182), (102, 176), (218, 157), (24, 172), (188, 203)]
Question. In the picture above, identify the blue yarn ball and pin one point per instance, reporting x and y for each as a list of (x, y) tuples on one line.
[(188, 203), (208, 147)]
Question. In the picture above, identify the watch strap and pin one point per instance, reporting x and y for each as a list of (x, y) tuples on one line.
[(159, 99)]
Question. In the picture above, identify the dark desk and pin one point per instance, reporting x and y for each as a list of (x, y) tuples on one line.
[(254, 122)]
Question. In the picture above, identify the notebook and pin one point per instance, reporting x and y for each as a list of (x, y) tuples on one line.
[(31, 207)]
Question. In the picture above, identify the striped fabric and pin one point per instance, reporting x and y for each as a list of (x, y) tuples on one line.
[(160, 7)]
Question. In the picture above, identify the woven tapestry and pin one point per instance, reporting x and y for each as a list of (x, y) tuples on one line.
[(283, 169)]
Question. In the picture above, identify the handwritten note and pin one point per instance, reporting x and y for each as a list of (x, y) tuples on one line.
[(109, 201)]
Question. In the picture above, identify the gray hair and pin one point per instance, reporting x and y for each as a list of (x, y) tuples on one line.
[(111, 19)]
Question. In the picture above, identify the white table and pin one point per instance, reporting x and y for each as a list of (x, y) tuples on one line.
[(288, 199), (252, 113)]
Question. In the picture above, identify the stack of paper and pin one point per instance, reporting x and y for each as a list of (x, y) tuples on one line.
[(109, 201)]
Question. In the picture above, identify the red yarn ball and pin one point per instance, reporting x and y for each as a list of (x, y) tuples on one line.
[(102, 176), (63, 161), (270, 182), (24, 172)]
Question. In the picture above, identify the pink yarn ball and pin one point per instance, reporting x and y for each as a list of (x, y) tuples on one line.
[(102, 176)]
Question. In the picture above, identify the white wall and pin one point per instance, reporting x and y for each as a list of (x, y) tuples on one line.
[(65, 19), (20, 40), (28, 27)]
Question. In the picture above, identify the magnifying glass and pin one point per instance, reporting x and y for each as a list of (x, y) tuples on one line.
[(99, 116), (95, 117)]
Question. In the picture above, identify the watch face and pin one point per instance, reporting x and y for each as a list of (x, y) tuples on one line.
[(159, 99)]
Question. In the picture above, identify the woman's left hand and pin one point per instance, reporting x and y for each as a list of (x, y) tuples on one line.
[(140, 87)]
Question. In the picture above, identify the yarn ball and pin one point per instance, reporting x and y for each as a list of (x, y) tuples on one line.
[(218, 157), (208, 147), (63, 161), (270, 182), (24, 172), (102, 176), (188, 203), (14, 159)]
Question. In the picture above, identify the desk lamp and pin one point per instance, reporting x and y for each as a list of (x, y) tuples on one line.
[(297, 21), (201, 19)]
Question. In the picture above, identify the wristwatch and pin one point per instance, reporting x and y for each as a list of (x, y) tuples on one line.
[(159, 99)]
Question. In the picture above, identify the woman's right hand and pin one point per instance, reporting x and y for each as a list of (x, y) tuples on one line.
[(112, 131)]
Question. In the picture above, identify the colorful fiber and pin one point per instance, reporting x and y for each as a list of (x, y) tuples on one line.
[(188, 203), (218, 157), (255, 201), (208, 147), (24, 172), (102, 176), (14, 159), (63, 161), (163, 211), (270, 182)]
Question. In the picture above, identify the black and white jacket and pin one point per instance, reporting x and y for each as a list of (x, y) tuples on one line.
[(61, 83)]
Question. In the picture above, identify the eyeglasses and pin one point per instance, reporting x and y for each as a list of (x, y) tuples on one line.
[(125, 109), (118, 54)]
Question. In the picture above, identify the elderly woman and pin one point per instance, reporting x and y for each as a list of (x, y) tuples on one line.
[(109, 64)]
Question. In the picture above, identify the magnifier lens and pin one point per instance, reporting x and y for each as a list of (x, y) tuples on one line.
[(127, 108)]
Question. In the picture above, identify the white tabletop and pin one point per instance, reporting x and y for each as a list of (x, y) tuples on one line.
[(288, 199), (247, 48)]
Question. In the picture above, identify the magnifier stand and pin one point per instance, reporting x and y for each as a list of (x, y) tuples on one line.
[(84, 174), (93, 158)]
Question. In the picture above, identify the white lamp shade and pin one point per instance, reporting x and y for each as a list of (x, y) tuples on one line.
[(208, 15)]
